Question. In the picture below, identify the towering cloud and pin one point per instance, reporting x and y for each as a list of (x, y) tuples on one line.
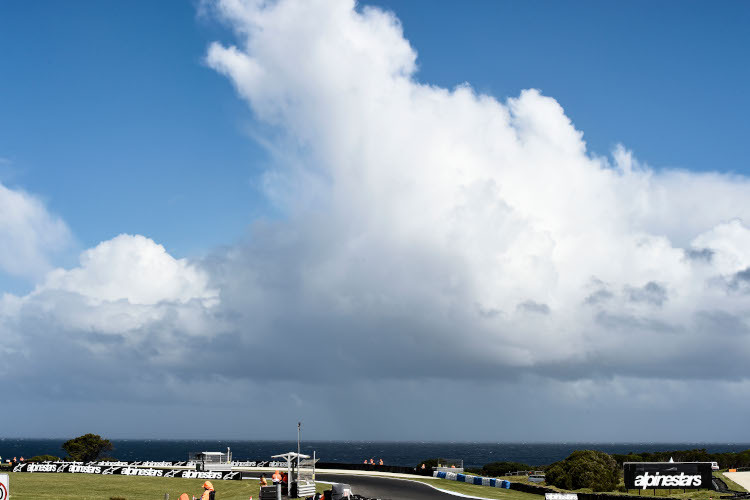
[(454, 218)]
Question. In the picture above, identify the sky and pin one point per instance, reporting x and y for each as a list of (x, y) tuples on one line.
[(399, 220)]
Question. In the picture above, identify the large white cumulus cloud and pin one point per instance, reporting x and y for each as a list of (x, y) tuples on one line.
[(466, 220), (133, 269), (128, 298)]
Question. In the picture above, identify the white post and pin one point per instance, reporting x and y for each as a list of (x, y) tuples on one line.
[(4, 486), (299, 424)]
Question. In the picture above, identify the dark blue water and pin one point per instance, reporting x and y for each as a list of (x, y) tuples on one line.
[(406, 454)]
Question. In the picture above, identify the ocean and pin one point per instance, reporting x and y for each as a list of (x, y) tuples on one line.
[(392, 453)]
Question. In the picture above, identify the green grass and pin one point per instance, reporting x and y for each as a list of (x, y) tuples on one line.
[(25, 486)]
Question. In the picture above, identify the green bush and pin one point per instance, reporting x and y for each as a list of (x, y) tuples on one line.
[(584, 469)]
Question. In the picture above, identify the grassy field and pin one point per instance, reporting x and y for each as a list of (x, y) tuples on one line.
[(25, 486)]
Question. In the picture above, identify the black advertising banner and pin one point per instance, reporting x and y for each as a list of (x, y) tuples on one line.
[(667, 475), (125, 471)]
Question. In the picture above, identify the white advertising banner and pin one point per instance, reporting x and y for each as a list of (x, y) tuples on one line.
[(561, 496), (4, 487)]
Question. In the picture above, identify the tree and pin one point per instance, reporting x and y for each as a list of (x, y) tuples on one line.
[(584, 469), (86, 448)]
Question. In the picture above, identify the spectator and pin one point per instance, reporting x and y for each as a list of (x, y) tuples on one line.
[(208, 491), (276, 478)]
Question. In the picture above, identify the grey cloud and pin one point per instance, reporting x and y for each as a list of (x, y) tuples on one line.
[(736, 283), (598, 297), (488, 312), (634, 323), (650, 293), (533, 307), (722, 323), (740, 281), (703, 254)]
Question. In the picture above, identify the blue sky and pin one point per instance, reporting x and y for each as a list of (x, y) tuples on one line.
[(186, 183)]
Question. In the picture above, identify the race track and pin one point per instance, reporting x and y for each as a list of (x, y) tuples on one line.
[(386, 488)]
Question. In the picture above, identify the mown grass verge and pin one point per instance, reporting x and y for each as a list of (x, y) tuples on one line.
[(25, 486)]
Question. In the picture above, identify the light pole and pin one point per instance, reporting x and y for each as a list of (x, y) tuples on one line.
[(299, 425)]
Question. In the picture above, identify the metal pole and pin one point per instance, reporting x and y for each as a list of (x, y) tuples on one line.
[(299, 425)]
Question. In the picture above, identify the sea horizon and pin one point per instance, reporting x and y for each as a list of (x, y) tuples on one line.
[(402, 453)]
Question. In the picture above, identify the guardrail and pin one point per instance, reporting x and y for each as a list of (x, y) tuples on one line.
[(467, 478)]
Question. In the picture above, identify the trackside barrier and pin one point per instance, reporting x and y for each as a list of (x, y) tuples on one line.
[(478, 480)]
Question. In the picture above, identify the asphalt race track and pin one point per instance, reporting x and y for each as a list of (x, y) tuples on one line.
[(386, 488)]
